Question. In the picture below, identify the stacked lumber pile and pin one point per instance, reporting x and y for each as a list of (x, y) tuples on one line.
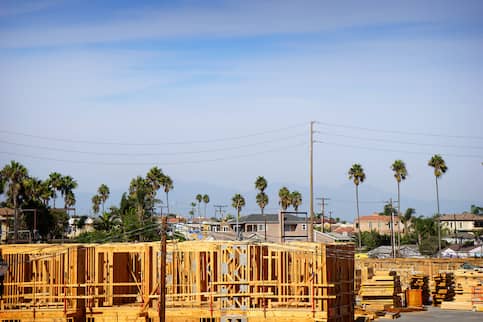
[(444, 288), (421, 282), (468, 290), (381, 291)]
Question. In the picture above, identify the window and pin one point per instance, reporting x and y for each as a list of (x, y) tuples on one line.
[(261, 227), (304, 226)]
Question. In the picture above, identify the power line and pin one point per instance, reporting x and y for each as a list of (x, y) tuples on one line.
[(236, 147), (398, 151), (402, 142), (300, 144), (49, 138), (400, 132)]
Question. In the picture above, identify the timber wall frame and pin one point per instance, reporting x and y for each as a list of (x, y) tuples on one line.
[(205, 281)]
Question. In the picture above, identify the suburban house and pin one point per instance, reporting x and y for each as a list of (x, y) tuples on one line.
[(378, 223), (465, 222), (294, 227)]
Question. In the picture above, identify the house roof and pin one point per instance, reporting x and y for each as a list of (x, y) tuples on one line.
[(341, 230), (461, 217), (271, 219), (376, 217)]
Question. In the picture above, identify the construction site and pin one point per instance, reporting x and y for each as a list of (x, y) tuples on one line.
[(224, 281)]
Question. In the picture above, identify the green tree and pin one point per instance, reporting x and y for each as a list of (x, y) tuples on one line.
[(154, 179), (400, 174), (206, 200), (296, 199), (439, 166), (238, 202), (55, 182), (167, 184), (13, 175), (67, 185), (139, 190), (96, 202), (46, 192), (284, 198), (357, 175), (262, 199), (199, 198), (103, 193), (406, 219)]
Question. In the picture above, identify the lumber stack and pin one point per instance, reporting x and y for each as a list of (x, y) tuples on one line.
[(468, 290), (421, 282), (381, 291), (444, 288)]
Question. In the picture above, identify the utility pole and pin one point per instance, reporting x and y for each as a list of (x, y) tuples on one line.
[(162, 274), (330, 221), (311, 176), (323, 203), (219, 209)]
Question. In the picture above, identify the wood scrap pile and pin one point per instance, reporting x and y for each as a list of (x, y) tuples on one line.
[(381, 291), (444, 288), (467, 290), (421, 282)]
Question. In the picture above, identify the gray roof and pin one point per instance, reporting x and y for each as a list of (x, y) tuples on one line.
[(271, 219)]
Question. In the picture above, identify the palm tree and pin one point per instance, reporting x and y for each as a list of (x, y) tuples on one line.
[(199, 198), (69, 199), (13, 175), (103, 193), (167, 184), (238, 202), (206, 200), (440, 168), (285, 199), (356, 173), (96, 201), (154, 179), (296, 198), (67, 185), (262, 199), (46, 192), (406, 219), (192, 211), (32, 188), (400, 173), (55, 182)]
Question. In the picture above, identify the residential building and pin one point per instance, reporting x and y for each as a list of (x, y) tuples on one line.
[(465, 222), (378, 223)]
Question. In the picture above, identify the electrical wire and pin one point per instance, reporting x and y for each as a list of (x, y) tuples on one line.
[(399, 132), (233, 138), (156, 162), (236, 147)]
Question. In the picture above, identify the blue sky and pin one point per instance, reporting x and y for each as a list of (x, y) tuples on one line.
[(218, 93)]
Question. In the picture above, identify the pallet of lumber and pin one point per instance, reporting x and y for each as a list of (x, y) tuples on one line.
[(421, 282), (444, 288), (381, 290), (468, 290)]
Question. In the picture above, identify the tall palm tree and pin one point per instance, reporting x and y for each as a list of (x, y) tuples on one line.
[(199, 198), (296, 199), (103, 192), (437, 162), (400, 173), (206, 200), (154, 179), (357, 175), (13, 175), (46, 192), (262, 199), (55, 182), (192, 211), (32, 188), (67, 185), (285, 199), (70, 199), (238, 202), (167, 184), (96, 201)]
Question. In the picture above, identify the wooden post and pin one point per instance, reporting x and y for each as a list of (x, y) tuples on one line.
[(162, 282)]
